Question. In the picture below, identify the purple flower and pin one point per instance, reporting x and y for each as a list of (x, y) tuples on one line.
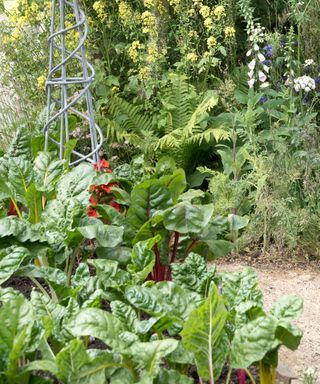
[(263, 99), (268, 63), (268, 50), (317, 80), (283, 42)]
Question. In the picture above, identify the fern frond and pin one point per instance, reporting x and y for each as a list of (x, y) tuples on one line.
[(210, 100), (130, 117), (208, 136)]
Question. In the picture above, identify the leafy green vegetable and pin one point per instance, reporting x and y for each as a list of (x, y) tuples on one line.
[(202, 331)]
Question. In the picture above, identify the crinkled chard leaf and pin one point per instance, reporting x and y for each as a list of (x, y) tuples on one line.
[(11, 261), (99, 324), (106, 235), (287, 308), (193, 273)]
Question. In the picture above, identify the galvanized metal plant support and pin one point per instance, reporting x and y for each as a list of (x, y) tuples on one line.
[(64, 96)]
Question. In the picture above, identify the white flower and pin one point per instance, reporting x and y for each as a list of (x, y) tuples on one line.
[(266, 68), (306, 83), (250, 74), (249, 53), (252, 64), (297, 87), (256, 47), (308, 62), (262, 76), (251, 83), (261, 57), (264, 85)]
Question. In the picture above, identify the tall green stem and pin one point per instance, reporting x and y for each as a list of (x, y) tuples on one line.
[(250, 376)]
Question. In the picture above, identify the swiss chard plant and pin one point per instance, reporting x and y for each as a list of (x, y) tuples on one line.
[(147, 332)]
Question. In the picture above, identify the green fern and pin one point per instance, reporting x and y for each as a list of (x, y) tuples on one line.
[(127, 118), (181, 128), (190, 131)]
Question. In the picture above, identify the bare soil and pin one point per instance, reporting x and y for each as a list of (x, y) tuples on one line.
[(289, 279)]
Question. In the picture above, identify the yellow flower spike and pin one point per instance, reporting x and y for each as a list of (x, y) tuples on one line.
[(208, 23), (133, 50), (41, 82), (219, 11), (211, 42), (192, 56), (148, 22), (100, 10), (205, 11), (125, 13), (229, 32), (144, 73)]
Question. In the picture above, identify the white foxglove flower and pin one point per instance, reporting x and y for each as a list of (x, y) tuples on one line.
[(250, 74), (266, 68), (252, 64), (251, 83), (262, 76), (261, 57), (249, 53), (256, 47)]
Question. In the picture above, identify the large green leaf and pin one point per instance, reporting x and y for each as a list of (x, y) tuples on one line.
[(20, 174), (289, 334), (172, 377), (70, 360), (125, 313), (176, 183), (146, 199), (165, 298), (219, 248), (11, 262), (99, 324), (76, 183), (241, 286), (203, 329), (187, 218), (237, 222), (109, 273), (47, 170), (143, 258), (253, 341), (287, 308), (106, 235), (49, 312), (193, 273), (149, 355), (8, 294), (16, 322), (120, 254)]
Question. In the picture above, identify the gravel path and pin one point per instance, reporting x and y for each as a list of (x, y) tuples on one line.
[(276, 283)]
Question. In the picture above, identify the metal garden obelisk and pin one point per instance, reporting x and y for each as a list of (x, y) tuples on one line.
[(68, 83)]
